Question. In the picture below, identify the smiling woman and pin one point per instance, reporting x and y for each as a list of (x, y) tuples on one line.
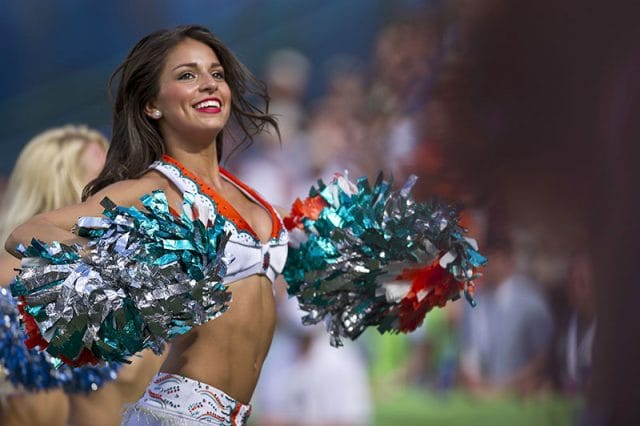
[(137, 140), (192, 93), (175, 93)]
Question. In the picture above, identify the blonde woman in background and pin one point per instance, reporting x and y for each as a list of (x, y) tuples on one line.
[(50, 173)]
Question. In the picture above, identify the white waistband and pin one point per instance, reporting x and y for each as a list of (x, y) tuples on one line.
[(173, 399)]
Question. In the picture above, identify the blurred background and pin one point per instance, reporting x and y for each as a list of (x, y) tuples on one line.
[(525, 113)]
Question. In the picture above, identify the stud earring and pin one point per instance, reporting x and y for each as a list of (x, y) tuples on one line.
[(156, 114)]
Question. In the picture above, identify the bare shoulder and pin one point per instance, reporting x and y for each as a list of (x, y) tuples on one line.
[(124, 193), (128, 192)]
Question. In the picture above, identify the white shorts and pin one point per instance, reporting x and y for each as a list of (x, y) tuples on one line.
[(171, 399)]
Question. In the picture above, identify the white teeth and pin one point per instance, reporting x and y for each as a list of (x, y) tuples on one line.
[(208, 104)]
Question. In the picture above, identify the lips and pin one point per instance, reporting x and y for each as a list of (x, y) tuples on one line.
[(210, 105)]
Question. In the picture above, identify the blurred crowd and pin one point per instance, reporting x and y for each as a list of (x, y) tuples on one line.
[(532, 331)]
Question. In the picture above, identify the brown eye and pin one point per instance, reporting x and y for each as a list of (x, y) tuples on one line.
[(186, 76)]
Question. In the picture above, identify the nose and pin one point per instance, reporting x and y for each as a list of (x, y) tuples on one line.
[(208, 83)]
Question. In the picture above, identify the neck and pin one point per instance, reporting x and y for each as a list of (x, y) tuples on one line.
[(203, 163)]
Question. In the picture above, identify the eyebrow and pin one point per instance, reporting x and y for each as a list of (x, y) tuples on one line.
[(195, 65)]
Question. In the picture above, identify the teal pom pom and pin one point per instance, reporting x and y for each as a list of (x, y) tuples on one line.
[(148, 277), (353, 239)]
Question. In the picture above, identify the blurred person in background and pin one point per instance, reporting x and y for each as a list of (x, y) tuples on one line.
[(433, 352), (287, 75), (403, 68), (336, 132), (576, 342), (426, 159), (314, 384), (510, 331), (543, 99), (327, 386), (50, 173), (278, 166)]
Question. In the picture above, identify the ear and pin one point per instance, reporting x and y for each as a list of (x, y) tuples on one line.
[(152, 111)]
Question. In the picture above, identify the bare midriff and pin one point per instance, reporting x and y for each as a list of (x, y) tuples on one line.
[(228, 352)]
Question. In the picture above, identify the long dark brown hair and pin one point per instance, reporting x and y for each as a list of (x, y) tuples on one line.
[(136, 141)]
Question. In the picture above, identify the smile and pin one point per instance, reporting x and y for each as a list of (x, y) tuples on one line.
[(212, 105)]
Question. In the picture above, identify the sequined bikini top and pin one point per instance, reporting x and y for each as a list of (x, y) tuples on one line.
[(247, 254)]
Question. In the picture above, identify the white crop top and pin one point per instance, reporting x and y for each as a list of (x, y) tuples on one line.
[(247, 254)]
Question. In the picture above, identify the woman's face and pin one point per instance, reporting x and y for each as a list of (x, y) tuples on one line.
[(194, 98)]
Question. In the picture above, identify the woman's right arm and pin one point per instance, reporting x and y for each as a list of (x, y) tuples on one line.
[(56, 225)]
